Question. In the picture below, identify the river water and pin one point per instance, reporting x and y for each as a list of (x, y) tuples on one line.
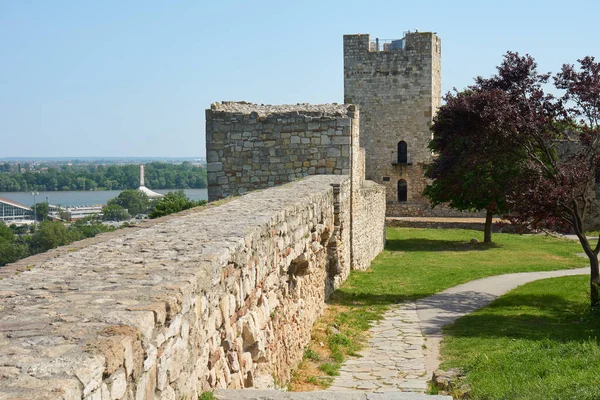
[(86, 198)]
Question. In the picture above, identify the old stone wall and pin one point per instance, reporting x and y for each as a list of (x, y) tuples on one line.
[(468, 222), (368, 232), (398, 90), (425, 210), (251, 146), (224, 297)]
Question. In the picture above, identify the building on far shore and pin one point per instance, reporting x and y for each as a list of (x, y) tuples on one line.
[(75, 212), (11, 211)]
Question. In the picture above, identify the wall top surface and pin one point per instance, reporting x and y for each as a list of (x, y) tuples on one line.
[(57, 316), (264, 110)]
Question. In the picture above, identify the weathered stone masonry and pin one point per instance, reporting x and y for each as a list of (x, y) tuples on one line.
[(252, 146), (398, 89), (223, 297)]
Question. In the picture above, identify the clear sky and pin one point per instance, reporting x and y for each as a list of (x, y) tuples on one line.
[(133, 78)]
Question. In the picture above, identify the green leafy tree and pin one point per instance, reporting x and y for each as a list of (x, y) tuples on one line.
[(88, 227), (114, 212), (41, 210), (50, 235), (173, 202), (6, 233), (12, 251), (134, 201), (19, 229)]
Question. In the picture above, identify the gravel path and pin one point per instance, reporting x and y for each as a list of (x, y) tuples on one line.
[(403, 349)]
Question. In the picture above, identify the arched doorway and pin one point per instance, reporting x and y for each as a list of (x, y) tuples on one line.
[(402, 190)]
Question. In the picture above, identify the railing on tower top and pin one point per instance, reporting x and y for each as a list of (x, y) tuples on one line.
[(386, 44)]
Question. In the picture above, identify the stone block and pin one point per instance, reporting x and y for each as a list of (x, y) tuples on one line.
[(333, 152)]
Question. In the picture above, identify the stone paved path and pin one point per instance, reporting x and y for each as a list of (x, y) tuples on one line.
[(398, 357), (393, 358)]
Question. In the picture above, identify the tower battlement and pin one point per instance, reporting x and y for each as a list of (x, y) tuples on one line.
[(360, 44)]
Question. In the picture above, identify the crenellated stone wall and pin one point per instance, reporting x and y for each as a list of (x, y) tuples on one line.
[(223, 297)]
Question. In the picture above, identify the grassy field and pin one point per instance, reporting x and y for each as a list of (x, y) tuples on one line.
[(417, 263), (539, 341)]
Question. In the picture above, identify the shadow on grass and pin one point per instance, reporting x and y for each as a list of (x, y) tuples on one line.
[(345, 298), (530, 317), (427, 245)]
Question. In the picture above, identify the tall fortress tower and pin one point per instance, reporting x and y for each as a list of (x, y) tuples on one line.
[(397, 85)]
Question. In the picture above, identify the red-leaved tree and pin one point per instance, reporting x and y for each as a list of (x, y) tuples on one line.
[(505, 144), (474, 163), (557, 183)]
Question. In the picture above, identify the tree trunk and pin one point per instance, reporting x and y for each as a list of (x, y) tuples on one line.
[(594, 282), (594, 270), (487, 232)]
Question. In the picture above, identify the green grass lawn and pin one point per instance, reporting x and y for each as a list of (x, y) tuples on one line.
[(417, 263), (539, 341), (420, 262)]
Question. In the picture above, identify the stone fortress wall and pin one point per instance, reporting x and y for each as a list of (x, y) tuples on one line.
[(223, 297), (252, 146)]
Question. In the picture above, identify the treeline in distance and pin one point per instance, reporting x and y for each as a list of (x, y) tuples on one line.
[(158, 175)]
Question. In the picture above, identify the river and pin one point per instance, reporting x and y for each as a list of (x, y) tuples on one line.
[(83, 198)]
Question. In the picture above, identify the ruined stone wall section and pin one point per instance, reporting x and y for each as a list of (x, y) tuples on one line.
[(368, 235), (219, 298), (398, 91), (368, 205), (251, 147)]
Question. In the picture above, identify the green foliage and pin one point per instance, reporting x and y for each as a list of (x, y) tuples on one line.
[(12, 251), (20, 229), (134, 201), (16, 243), (50, 235), (41, 211), (114, 212), (6, 233), (206, 396), (88, 227), (331, 369), (311, 354), (539, 341), (313, 380), (338, 339), (116, 177), (173, 202), (473, 166)]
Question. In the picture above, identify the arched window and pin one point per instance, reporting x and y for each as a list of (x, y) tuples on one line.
[(402, 190), (402, 152)]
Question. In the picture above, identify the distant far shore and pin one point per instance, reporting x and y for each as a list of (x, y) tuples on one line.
[(49, 177), (73, 198)]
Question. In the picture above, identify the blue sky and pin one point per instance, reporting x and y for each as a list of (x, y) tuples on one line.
[(133, 78)]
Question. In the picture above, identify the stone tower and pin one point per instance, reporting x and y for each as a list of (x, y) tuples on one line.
[(397, 85)]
